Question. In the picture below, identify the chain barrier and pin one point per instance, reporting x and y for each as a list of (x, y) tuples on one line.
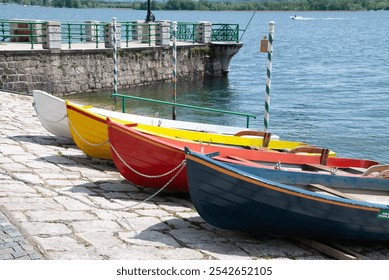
[(142, 174), (181, 165)]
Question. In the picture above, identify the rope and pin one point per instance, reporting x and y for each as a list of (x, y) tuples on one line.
[(84, 140), (37, 112), (118, 216), (182, 164), (142, 174)]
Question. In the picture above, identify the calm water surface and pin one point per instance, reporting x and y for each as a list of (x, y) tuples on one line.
[(330, 78)]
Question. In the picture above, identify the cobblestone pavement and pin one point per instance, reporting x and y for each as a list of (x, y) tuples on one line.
[(70, 206), (13, 244)]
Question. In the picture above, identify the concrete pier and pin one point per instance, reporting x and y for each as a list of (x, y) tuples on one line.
[(53, 59), (57, 203)]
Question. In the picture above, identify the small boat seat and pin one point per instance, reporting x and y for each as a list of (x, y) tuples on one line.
[(381, 168), (313, 150), (334, 192), (266, 136), (236, 159), (384, 174), (332, 170)]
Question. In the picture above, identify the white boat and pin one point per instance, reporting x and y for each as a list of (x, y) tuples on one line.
[(296, 17), (51, 111)]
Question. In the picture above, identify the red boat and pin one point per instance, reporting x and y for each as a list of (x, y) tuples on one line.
[(159, 162)]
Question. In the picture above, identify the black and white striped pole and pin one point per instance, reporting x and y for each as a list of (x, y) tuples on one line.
[(174, 76), (268, 74), (115, 62)]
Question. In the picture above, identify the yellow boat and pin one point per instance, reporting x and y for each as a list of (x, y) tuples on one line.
[(89, 132)]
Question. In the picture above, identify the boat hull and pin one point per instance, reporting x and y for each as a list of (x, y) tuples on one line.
[(89, 131), (144, 162), (231, 199), (141, 157), (192, 132), (51, 112)]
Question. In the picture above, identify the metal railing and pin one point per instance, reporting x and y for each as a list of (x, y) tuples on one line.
[(186, 31), (125, 97), (77, 32), (95, 32), (139, 32), (225, 32), (29, 32)]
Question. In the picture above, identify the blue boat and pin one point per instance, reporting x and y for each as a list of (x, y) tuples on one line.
[(269, 201)]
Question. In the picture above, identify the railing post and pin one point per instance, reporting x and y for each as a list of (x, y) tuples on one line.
[(109, 35), (137, 30), (163, 33), (81, 33), (3, 30), (31, 34), (69, 33), (53, 35), (91, 30), (203, 32), (151, 35), (127, 33)]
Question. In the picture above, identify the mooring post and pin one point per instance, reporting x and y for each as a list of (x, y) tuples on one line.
[(174, 76), (268, 80), (115, 62)]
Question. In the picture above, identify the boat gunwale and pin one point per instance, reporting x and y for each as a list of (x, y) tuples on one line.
[(279, 187)]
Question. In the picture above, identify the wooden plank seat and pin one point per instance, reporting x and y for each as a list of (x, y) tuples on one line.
[(332, 170), (317, 186), (266, 136), (313, 150), (334, 192), (383, 171)]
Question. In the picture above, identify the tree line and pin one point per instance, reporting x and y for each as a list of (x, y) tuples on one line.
[(208, 5)]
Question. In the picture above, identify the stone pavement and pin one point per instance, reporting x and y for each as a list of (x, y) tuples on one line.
[(13, 244), (57, 203)]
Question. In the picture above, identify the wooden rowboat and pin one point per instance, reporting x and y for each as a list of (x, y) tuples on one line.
[(289, 203), (153, 161), (51, 111), (89, 132)]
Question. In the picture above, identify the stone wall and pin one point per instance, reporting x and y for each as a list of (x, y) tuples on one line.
[(73, 71)]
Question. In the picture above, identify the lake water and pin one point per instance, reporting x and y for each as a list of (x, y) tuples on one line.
[(330, 78)]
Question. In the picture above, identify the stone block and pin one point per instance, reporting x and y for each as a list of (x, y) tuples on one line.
[(163, 33), (109, 35), (92, 30), (53, 35), (203, 32)]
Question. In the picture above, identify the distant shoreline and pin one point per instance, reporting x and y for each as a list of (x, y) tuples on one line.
[(295, 6)]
